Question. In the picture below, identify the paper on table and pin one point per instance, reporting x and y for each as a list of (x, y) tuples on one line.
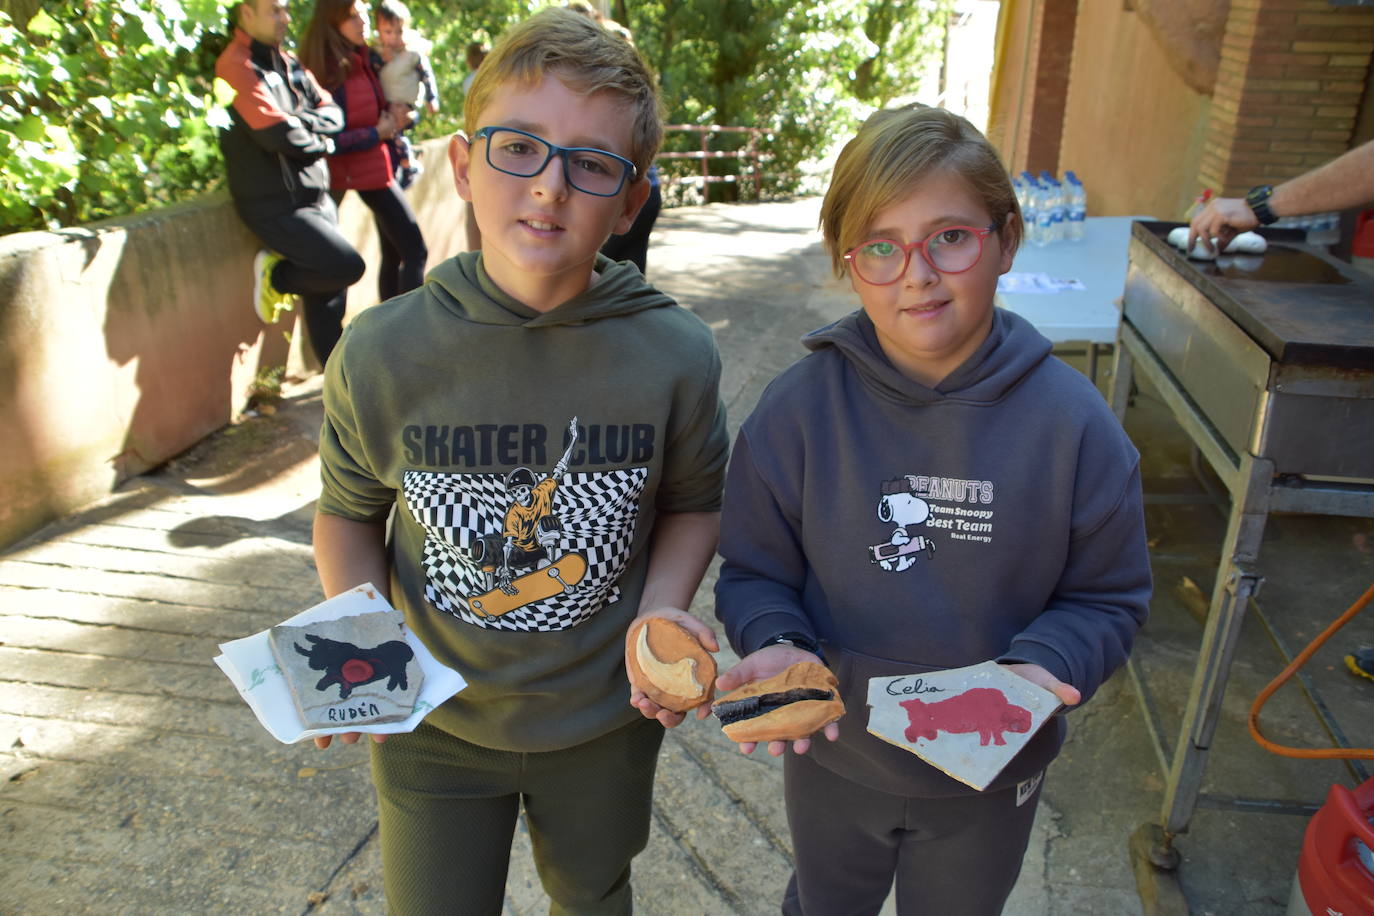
[(1036, 283), (969, 722), (250, 666)]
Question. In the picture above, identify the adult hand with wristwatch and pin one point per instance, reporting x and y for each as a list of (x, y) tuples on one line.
[(1223, 218), (1345, 182)]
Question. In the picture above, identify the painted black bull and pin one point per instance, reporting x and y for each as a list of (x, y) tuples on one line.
[(349, 666)]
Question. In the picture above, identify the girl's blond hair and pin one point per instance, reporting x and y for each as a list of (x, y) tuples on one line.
[(893, 150), (586, 58)]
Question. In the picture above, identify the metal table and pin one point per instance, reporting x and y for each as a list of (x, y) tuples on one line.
[(1268, 365), (1089, 315)]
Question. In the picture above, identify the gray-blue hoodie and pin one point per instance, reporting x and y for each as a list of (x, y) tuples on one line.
[(908, 529)]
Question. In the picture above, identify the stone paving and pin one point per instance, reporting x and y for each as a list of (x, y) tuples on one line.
[(134, 780)]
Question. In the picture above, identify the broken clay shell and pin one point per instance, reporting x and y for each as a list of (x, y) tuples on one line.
[(795, 703), (669, 665)]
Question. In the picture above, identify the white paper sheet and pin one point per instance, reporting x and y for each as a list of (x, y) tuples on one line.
[(250, 666), (1036, 283)]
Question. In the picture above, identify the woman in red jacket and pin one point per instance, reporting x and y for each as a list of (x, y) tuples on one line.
[(335, 49)]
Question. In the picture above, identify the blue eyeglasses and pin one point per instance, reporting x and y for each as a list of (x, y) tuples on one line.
[(591, 171)]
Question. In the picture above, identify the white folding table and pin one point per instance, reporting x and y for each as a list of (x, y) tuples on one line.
[(1089, 315)]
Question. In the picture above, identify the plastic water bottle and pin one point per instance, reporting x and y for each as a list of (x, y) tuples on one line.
[(1030, 208), (1077, 207), (1055, 195), (1018, 188), (1324, 230), (1046, 213), (1043, 208), (1061, 209)]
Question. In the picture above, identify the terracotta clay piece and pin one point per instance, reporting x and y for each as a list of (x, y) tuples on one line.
[(673, 669), (796, 703)]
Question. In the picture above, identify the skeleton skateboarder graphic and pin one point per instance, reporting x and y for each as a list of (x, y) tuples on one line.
[(519, 562)]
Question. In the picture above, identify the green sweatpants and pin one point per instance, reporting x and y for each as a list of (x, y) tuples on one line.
[(448, 813)]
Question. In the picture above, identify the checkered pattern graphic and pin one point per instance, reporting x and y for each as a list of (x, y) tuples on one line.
[(597, 510)]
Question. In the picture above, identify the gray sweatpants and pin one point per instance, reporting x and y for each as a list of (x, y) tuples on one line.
[(448, 811), (949, 855)]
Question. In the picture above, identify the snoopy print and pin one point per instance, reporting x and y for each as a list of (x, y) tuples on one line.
[(899, 506)]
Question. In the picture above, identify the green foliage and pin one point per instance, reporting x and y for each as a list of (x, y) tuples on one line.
[(103, 108), (109, 107), (804, 73), (896, 33), (266, 384), (451, 25)]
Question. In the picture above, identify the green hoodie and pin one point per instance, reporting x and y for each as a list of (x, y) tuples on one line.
[(454, 402)]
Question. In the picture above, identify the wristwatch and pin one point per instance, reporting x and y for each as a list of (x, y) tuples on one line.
[(797, 641), (1258, 201)]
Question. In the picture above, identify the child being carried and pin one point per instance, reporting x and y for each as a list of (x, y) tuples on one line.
[(404, 73)]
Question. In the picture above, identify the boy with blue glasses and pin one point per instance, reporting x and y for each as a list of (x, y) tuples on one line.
[(524, 155), (549, 430)]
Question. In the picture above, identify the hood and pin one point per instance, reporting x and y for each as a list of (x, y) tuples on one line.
[(461, 285), (1012, 350)]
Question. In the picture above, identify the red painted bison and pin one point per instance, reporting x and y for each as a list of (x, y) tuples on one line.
[(984, 710)]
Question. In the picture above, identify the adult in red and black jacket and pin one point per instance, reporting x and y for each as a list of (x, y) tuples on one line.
[(282, 126), (334, 47)]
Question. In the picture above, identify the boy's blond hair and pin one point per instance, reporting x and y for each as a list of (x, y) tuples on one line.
[(586, 58), (893, 150)]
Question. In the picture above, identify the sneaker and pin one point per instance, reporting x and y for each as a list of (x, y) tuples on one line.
[(268, 301), (1361, 663)]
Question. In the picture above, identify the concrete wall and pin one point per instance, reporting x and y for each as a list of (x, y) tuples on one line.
[(1035, 45), (1053, 27), (1013, 68), (126, 342), (1133, 130)]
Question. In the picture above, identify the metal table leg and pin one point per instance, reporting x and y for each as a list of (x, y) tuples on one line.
[(1123, 373), (1237, 583)]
